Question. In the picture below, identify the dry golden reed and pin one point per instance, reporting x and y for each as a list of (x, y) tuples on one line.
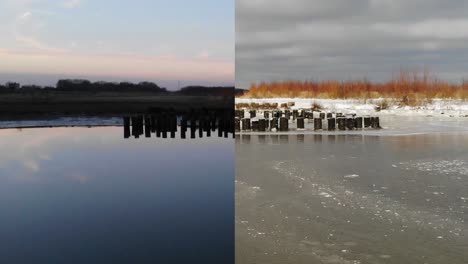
[(407, 86)]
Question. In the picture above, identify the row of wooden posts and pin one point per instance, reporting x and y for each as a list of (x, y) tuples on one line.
[(168, 124), (279, 121)]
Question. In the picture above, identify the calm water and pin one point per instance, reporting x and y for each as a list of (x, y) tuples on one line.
[(352, 198), (87, 195)]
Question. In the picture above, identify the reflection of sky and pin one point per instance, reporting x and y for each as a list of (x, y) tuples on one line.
[(154, 193)]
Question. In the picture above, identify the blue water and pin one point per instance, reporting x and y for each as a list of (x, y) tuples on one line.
[(86, 195)]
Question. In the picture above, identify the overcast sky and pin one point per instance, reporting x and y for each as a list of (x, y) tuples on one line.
[(158, 40), (343, 39)]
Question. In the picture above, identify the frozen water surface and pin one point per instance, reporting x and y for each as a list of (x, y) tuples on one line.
[(372, 197)]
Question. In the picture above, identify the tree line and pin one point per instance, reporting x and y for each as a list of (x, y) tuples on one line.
[(80, 85)]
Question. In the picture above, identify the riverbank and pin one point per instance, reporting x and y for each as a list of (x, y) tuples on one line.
[(105, 104)]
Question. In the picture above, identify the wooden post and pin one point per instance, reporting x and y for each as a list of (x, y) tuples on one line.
[(200, 127), (300, 123), (147, 126), (266, 114), (283, 124), (253, 113), (350, 123), (183, 127), (126, 122), (322, 115), (358, 122), (367, 122), (193, 127), (317, 123), (261, 125), (246, 124), (254, 125), (274, 123), (341, 123), (331, 124)]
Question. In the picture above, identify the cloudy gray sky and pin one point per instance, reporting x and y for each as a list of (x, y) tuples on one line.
[(343, 39)]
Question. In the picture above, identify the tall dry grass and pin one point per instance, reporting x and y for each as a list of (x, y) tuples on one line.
[(409, 86)]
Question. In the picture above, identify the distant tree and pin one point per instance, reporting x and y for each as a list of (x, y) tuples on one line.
[(12, 85)]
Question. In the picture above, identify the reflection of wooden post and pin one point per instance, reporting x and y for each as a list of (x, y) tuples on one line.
[(283, 126), (331, 124), (126, 121), (317, 123), (300, 123)]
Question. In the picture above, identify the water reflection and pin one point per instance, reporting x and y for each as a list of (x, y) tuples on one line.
[(86, 195)]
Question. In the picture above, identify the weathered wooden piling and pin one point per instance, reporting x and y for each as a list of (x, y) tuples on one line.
[(246, 124), (221, 126), (295, 113), (183, 127), (300, 123), (147, 126), (193, 127), (262, 125), (317, 123), (283, 125), (322, 115), (254, 125), (331, 124), (253, 113), (329, 115), (341, 121), (200, 127), (126, 121), (274, 123), (350, 123), (367, 122), (358, 122), (375, 123)]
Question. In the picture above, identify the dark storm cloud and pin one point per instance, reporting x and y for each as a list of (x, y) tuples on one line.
[(342, 39)]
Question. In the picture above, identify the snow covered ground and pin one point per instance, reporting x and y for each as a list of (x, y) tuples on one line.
[(439, 107)]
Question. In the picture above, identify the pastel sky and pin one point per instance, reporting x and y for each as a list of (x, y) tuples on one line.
[(115, 40)]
